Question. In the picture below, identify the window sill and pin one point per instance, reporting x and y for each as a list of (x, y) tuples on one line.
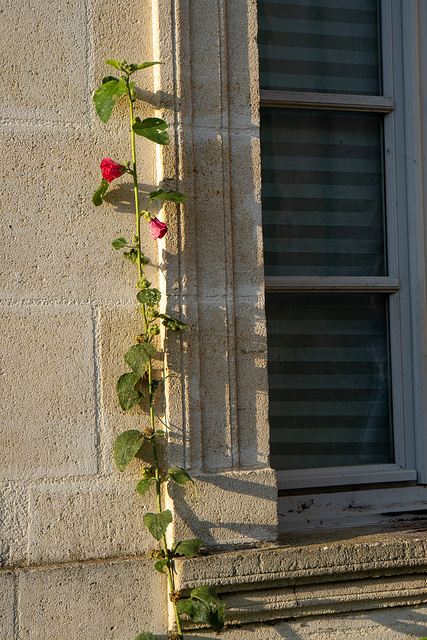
[(314, 573)]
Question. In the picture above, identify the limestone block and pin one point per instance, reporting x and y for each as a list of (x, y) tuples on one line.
[(90, 519), (215, 387), (243, 71), (234, 508), (248, 268), (13, 525), (204, 93), (123, 30), (48, 412), (42, 46), (252, 381), (400, 623), (210, 212), (7, 604), (56, 243), (108, 600)]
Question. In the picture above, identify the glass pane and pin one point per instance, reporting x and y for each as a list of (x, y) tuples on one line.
[(320, 45), (322, 193), (328, 367)]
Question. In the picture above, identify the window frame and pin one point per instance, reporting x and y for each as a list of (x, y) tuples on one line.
[(405, 284)]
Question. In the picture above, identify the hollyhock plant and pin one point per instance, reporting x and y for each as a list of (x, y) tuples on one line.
[(203, 604), (157, 229), (111, 170)]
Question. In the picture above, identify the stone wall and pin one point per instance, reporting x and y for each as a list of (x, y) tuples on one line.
[(74, 552)]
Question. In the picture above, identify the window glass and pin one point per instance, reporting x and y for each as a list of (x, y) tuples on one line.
[(320, 45), (328, 364), (322, 193)]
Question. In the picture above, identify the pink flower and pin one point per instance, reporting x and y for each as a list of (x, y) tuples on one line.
[(157, 229), (111, 170)]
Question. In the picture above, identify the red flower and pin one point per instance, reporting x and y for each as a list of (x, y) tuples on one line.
[(111, 170), (157, 229)]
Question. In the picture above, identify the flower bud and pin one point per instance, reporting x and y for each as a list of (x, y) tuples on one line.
[(111, 170)]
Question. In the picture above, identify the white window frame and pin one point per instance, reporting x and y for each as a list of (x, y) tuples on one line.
[(405, 283)]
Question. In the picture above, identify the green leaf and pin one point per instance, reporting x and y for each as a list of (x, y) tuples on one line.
[(105, 97), (108, 78), (187, 548), (210, 598), (143, 485), (200, 612), (150, 297), (153, 129), (203, 606), (113, 63), (99, 194), (138, 356), (179, 475), (169, 196), (119, 243), (160, 564), (143, 65), (173, 323), (159, 434), (126, 446), (129, 397), (146, 636), (131, 255), (157, 523)]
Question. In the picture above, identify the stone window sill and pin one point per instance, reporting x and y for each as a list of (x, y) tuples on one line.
[(317, 572)]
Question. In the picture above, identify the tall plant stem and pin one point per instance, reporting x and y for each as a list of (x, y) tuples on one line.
[(158, 480), (135, 182)]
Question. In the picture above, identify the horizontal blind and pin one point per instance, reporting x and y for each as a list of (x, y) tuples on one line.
[(328, 364), (320, 45), (322, 193)]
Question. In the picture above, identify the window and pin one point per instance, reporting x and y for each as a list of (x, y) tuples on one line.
[(341, 219)]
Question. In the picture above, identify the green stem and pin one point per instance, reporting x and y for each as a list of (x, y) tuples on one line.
[(135, 182), (157, 476)]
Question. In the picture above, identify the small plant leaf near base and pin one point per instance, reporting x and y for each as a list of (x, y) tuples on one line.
[(157, 523), (138, 356), (187, 548), (146, 635), (180, 476), (143, 485), (160, 565), (128, 396), (126, 445), (203, 605)]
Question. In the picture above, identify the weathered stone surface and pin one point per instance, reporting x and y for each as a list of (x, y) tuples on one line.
[(108, 600), (7, 605), (123, 30), (13, 524), (56, 243), (92, 519), (48, 413), (234, 508), (409, 623), (42, 45)]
